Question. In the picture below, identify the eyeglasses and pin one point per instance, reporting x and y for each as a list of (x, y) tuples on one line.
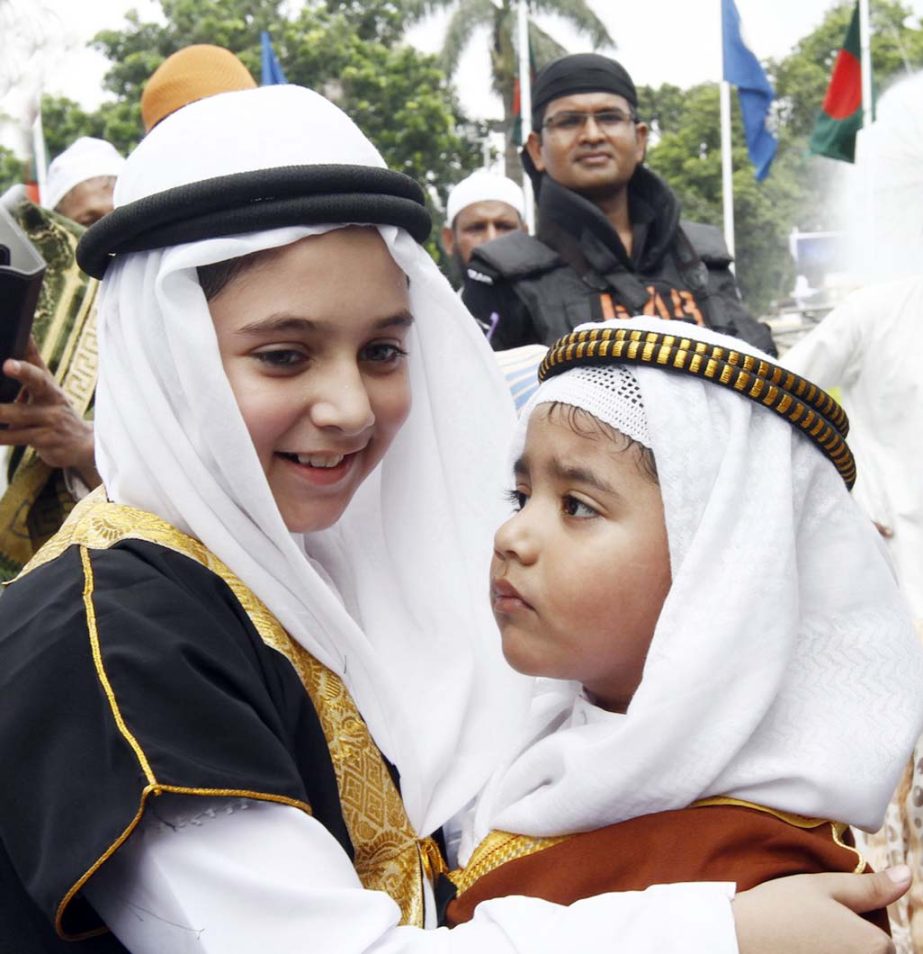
[(572, 120)]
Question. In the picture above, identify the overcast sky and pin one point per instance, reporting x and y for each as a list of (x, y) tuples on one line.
[(675, 41)]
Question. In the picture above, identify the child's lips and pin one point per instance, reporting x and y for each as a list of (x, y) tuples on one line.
[(505, 598)]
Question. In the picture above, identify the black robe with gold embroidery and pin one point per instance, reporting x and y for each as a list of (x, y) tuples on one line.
[(129, 674)]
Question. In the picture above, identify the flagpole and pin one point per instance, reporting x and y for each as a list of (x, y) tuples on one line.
[(525, 101), (865, 49), (40, 154), (727, 169)]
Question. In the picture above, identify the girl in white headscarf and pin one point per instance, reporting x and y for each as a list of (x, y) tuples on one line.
[(743, 677), (244, 685)]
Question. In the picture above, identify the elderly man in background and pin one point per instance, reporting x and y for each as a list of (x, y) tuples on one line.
[(479, 209), (81, 181)]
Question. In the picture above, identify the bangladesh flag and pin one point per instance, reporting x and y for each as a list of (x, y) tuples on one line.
[(841, 114)]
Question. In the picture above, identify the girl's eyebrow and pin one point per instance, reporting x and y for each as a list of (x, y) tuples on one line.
[(284, 322)]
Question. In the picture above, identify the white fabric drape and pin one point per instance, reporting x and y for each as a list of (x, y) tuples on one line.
[(783, 668), (393, 597), (271, 879), (870, 347)]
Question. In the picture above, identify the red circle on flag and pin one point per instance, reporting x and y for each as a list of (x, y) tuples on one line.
[(844, 95)]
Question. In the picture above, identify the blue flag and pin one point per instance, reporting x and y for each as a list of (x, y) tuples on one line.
[(272, 71), (742, 69)]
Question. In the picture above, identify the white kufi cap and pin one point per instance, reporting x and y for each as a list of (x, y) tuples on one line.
[(87, 158), (483, 186)]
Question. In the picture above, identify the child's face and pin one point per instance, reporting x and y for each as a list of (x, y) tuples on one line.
[(312, 339), (580, 573)]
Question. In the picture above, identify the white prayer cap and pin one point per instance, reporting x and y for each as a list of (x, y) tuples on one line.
[(483, 186), (87, 158)]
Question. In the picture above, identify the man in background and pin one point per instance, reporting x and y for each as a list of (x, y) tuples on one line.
[(609, 242), (479, 209), (81, 180)]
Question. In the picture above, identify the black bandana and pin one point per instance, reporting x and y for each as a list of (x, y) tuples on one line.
[(580, 73)]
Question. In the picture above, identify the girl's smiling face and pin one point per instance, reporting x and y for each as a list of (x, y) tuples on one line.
[(312, 338)]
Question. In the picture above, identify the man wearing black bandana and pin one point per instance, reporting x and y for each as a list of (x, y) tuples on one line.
[(609, 242)]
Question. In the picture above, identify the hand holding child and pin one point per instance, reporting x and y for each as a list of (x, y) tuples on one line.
[(810, 914)]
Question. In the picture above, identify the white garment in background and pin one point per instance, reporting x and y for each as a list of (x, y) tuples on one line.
[(240, 877), (871, 347)]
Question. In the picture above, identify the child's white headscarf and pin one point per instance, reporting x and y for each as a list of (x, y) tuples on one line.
[(783, 668), (406, 621)]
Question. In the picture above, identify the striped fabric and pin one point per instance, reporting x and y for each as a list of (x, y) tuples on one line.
[(520, 367)]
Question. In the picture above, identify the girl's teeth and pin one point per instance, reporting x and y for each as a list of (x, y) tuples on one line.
[(313, 461)]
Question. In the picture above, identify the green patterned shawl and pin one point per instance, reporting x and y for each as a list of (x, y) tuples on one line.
[(37, 500)]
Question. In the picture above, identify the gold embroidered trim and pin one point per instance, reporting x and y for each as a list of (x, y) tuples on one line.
[(838, 829), (498, 848), (798, 821), (100, 669), (792, 397), (388, 855)]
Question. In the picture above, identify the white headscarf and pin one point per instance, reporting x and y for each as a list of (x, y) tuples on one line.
[(783, 668), (394, 596), (87, 158), (483, 186)]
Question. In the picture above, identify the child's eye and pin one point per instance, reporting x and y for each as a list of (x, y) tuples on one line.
[(517, 498), (577, 508), (280, 357), (382, 352)]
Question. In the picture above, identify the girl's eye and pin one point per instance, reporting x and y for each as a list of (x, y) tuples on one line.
[(280, 357), (382, 352), (517, 498), (577, 508)]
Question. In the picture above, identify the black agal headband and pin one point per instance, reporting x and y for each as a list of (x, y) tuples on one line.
[(804, 405), (254, 201)]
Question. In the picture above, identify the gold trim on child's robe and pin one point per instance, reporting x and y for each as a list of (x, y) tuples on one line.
[(389, 856), (716, 839)]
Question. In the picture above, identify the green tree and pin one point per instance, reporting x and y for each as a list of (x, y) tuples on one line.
[(500, 19), (687, 149), (400, 97), (11, 169), (688, 157)]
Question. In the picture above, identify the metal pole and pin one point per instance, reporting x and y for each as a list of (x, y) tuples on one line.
[(727, 169), (865, 47), (525, 101), (39, 154)]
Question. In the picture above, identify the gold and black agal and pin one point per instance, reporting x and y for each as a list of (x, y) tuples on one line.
[(804, 405)]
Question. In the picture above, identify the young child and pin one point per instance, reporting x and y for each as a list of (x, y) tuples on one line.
[(742, 678)]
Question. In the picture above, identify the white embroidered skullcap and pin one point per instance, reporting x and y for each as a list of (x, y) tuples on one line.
[(87, 158), (609, 392), (483, 186)]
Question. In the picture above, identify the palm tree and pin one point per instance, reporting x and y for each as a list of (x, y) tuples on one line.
[(500, 17)]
